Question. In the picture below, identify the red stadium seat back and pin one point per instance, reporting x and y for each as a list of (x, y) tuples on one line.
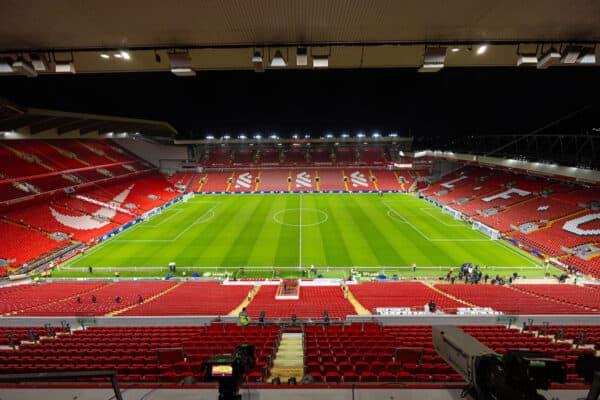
[(412, 355)]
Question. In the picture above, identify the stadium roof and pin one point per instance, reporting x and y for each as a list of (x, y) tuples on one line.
[(18, 122), (224, 34)]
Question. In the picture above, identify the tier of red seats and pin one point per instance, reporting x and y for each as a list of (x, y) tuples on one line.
[(40, 216), (331, 179), (579, 196), (590, 267), (581, 296), (21, 333), (25, 297), (128, 292), (142, 189), (558, 202), (509, 300), (302, 179), (194, 298), (135, 351), (572, 332), (405, 353), (402, 294), (555, 236), (214, 182), (85, 207), (12, 166), (313, 301), (21, 244), (528, 212)]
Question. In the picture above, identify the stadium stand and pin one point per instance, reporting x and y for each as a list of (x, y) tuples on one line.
[(331, 179), (214, 182), (194, 298), (105, 296), (535, 209), (405, 353), (578, 295), (134, 351), (21, 244), (21, 298), (553, 238), (313, 301), (413, 295), (510, 300), (590, 267), (275, 180), (41, 216)]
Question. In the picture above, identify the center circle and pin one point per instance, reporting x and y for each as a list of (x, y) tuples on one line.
[(291, 217)]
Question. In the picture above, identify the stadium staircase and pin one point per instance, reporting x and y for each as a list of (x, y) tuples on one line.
[(64, 299), (122, 310), (433, 287), (360, 310), (236, 311), (289, 359)]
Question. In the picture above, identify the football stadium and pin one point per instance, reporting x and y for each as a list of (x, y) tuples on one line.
[(267, 199)]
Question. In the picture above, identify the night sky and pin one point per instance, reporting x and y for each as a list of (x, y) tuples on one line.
[(451, 102)]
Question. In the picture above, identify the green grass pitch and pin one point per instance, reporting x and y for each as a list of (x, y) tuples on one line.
[(284, 232)]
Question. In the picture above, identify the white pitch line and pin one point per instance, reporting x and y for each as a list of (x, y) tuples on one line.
[(426, 212), (390, 208), (197, 221), (300, 236)]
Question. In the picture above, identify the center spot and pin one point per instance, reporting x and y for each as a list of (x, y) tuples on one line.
[(292, 217)]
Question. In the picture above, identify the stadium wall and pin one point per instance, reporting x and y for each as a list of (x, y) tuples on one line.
[(255, 392), (154, 153)]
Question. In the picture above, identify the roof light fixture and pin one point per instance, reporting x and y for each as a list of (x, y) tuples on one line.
[(24, 68), (482, 49), (434, 59), (39, 62), (320, 61), (278, 61), (301, 57), (587, 56), (181, 64), (257, 61), (549, 58)]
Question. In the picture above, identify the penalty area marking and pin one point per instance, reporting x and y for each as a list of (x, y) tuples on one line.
[(207, 216), (400, 218), (323, 217)]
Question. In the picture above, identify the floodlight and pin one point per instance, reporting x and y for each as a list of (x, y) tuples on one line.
[(39, 62), (301, 57), (482, 49), (105, 56), (6, 65), (570, 54), (125, 55), (278, 61), (24, 68), (64, 67), (525, 60), (587, 56), (434, 59), (181, 64), (320, 61), (551, 57), (257, 60)]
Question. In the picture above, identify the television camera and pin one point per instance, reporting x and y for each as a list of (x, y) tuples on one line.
[(490, 376), (229, 370)]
